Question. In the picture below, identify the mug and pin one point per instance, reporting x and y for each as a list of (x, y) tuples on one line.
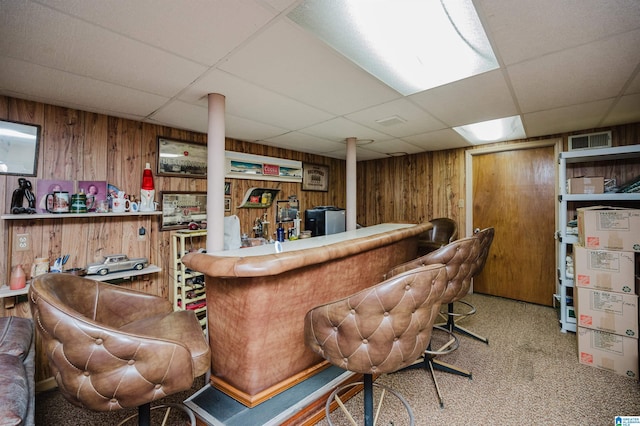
[(91, 203), (102, 206), (78, 203), (133, 206), (119, 205), (60, 202)]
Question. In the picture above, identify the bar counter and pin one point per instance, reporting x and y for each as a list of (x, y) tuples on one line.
[(257, 300)]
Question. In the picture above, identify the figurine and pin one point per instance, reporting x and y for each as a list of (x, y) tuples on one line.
[(17, 199)]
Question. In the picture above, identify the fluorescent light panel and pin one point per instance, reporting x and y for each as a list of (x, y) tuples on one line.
[(501, 129), (411, 45)]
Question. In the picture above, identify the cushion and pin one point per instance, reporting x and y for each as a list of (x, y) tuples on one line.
[(15, 390), (15, 336)]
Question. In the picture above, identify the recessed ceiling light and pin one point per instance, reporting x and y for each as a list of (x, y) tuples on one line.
[(501, 129), (411, 45)]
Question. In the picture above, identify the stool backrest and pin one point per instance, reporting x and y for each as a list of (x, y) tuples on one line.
[(459, 257), (383, 328)]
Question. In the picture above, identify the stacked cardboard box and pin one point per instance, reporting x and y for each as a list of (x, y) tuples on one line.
[(605, 262)]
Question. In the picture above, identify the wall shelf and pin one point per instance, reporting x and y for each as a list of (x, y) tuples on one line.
[(257, 192), (75, 215), (123, 275), (5, 291)]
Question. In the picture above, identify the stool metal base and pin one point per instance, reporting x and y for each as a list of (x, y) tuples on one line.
[(370, 420), (144, 414)]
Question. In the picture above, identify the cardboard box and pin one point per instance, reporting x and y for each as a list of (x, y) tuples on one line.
[(618, 354), (604, 269), (607, 311), (609, 228), (585, 185)]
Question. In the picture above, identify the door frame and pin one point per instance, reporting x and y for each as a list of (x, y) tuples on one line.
[(469, 153)]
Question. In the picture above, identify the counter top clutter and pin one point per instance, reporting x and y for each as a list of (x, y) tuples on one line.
[(257, 299)]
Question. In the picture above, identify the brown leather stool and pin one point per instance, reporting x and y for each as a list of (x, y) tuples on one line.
[(111, 348), (378, 330)]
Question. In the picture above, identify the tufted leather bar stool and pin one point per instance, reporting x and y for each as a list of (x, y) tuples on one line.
[(378, 330), (461, 261), (444, 230), (111, 348)]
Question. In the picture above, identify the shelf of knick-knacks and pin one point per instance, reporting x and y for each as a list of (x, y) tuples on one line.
[(258, 198)]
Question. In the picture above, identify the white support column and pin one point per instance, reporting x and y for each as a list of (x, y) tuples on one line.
[(215, 173), (351, 184)]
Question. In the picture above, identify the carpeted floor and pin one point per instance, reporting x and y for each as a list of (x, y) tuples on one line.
[(528, 375)]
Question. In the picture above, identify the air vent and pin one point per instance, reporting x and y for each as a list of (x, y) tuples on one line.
[(590, 141)]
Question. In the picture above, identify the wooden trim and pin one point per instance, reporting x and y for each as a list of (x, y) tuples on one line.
[(253, 400)]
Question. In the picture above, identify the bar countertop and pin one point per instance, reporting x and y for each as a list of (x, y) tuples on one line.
[(264, 260)]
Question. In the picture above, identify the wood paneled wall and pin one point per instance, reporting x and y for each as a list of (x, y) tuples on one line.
[(79, 145)]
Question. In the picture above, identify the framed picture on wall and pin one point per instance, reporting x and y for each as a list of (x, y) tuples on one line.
[(181, 158), (180, 208), (315, 177)]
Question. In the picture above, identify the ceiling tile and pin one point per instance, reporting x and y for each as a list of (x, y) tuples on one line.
[(301, 142), (480, 98), (339, 129), (190, 29), (416, 120), (578, 75), (523, 30), (43, 84), (40, 35), (393, 146), (626, 110), (438, 140), (247, 100), (566, 119), (286, 60)]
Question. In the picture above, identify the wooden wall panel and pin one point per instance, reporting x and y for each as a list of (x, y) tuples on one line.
[(79, 145)]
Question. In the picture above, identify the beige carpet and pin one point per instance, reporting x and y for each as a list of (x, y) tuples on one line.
[(528, 375)]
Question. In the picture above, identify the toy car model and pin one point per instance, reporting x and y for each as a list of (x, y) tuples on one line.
[(115, 263)]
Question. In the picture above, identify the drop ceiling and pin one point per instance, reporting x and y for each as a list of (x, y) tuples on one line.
[(565, 66)]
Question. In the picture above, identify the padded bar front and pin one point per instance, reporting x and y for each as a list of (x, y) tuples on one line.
[(257, 300)]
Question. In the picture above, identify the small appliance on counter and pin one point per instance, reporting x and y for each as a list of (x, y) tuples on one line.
[(324, 220)]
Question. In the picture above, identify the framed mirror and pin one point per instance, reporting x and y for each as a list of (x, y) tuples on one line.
[(19, 148)]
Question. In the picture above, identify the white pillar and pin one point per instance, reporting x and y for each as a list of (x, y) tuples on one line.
[(351, 184), (215, 173)]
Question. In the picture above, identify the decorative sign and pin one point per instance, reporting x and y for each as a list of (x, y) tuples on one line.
[(316, 177), (249, 166)]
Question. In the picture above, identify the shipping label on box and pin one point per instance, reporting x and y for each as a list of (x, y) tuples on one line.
[(585, 185), (608, 311), (605, 269), (618, 354), (609, 228)]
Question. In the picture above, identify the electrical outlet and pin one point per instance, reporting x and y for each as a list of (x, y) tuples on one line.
[(21, 242), (142, 234)]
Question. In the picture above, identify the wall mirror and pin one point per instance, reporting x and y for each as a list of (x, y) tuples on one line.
[(19, 148)]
